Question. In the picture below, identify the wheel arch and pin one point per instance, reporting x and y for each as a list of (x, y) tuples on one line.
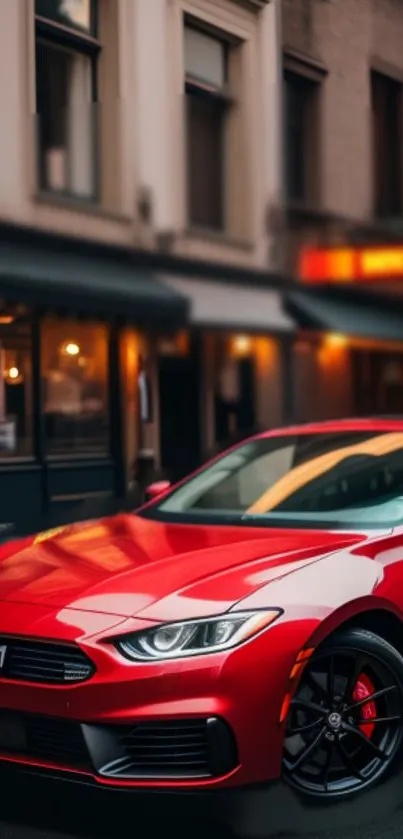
[(377, 616), (373, 614)]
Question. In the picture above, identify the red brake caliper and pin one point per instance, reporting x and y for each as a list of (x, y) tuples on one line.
[(364, 688)]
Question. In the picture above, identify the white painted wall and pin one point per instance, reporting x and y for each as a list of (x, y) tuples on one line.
[(152, 119), (13, 107)]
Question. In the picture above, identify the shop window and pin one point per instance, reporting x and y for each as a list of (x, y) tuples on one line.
[(386, 99), (301, 125), (378, 382), (206, 78), (66, 83), (235, 397), (75, 372), (16, 433)]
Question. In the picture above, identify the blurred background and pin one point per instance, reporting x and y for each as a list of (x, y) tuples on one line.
[(201, 235)]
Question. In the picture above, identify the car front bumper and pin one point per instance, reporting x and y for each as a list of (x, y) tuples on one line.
[(236, 697)]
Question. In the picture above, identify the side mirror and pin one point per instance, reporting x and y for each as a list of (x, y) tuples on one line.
[(156, 489)]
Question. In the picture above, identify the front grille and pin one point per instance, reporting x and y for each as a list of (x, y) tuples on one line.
[(194, 748), (43, 662)]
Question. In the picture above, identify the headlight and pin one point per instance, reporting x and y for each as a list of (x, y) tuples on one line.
[(190, 638)]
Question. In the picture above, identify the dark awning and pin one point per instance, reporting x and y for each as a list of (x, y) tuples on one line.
[(224, 305), (104, 287), (370, 318)]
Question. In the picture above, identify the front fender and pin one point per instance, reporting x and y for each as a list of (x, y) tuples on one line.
[(349, 611)]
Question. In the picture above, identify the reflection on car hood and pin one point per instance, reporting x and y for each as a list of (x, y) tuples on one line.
[(123, 565)]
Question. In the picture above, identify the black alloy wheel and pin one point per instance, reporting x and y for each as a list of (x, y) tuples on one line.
[(344, 729)]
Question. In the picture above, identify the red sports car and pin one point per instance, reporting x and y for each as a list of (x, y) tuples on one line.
[(235, 646)]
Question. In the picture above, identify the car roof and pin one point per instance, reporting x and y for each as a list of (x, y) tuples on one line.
[(334, 426)]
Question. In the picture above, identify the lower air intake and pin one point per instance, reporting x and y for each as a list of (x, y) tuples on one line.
[(194, 748)]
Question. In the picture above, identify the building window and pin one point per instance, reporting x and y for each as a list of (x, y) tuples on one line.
[(206, 77), (386, 99), (67, 50), (301, 137), (16, 433), (75, 371)]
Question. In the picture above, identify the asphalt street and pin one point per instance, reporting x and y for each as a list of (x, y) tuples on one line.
[(18, 829), (25, 816)]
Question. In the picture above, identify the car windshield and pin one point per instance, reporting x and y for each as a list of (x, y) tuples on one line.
[(336, 480)]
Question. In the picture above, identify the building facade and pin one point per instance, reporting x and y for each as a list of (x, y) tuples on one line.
[(343, 70), (343, 95), (134, 128)]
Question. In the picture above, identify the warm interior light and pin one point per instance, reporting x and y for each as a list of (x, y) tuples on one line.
[(71, 349), (241, 344), (13, 376), (335, 340), (5, 320)]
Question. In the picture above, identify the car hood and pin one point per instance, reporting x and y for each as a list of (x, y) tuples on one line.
[(130, 566)]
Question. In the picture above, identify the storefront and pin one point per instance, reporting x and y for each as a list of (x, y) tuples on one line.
[(227, 376), (348, 354), (75, 325)]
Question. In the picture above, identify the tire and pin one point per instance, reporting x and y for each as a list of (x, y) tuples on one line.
[(363, 778)]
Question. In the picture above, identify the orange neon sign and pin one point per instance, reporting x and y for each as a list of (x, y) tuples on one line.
[(345, 264)]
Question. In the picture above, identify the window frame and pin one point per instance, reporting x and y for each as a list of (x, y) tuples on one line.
[(50, 33), (221, 99), (310, 84), (386, 92), (73, 31)]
